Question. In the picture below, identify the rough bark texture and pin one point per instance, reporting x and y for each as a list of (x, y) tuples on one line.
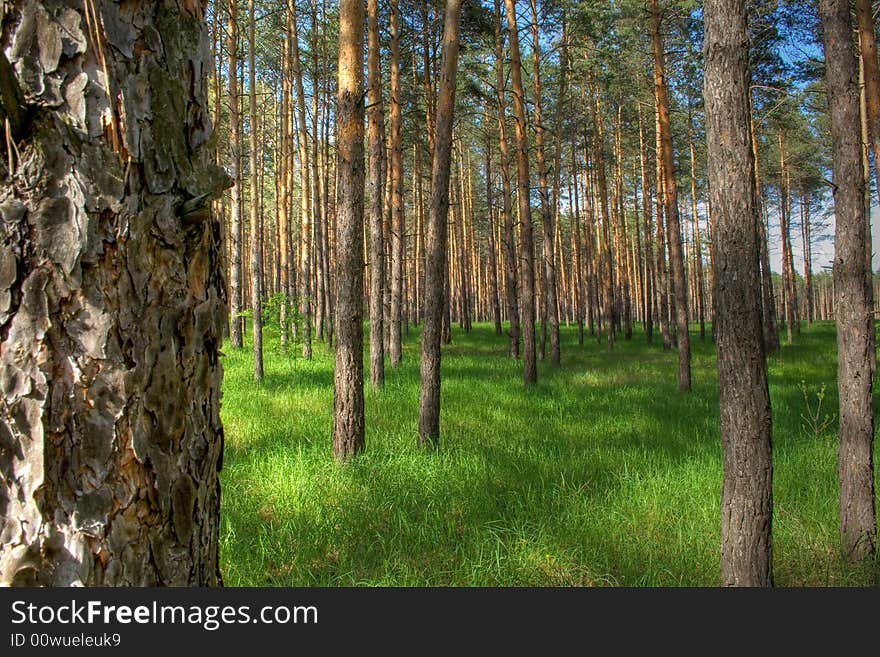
[(348, 372), (852, 311), (746, 495), (375, 189), (112, 301), (673, 227), (435, 237), (527, 257)]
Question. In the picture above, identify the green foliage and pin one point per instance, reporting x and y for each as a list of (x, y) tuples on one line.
[(813, 422), (601, 474)]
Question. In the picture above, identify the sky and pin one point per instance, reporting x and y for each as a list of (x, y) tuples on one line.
[(823, 244)]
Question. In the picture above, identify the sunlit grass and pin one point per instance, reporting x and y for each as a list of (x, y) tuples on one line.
[(601, 474)]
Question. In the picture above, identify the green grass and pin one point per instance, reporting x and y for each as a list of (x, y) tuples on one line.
[(601, 474)]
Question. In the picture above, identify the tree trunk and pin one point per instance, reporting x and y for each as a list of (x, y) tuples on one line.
[(348, 371), (112, 300), (490, 229), (508, 242), (527, 264), (649, 286), (868, 50), (317, 228), (808, 257), (788, 284), (375, 188), (435, 247), (256, 229), (397, 220), (235, 278), (305, 233), (603, 245), (768, 303), (673, 228), (746, 495), (852, 310), (551, 301)]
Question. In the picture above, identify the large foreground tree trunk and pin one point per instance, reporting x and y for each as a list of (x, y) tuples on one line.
[(435, 238), (746, 495), (852, 309), (112, 299), (348, 371)]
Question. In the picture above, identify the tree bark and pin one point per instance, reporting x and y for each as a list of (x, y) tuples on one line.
[(649, 286), (508, 242), (435, 244), (852, 310), (673, 228), (397, 220), (490, 228), (375, 188), (112, 300), (527, 257), (746, 495), (305, 233), (348, 372), (788, 283), (548, 243), (771, 330), (235, 279), (255, 227)]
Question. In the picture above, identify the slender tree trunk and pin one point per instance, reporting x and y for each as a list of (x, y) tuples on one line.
[(868, 51), (397, 220), (660, 236), (110, 338), (698, 250), (236, 227), (527, 265), (788, 284), (771, 331), (551, 301), (375, 188), (646, 218), (435, 248), (490, 228), (305, 233), (317, 229), (852, 310), (509, 236), (256, 236), (746, 495), (603, 242), (808, 257), (348, 372), (673, 228)]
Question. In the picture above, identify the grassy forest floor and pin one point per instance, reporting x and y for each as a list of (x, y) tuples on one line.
[(601, 474)]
